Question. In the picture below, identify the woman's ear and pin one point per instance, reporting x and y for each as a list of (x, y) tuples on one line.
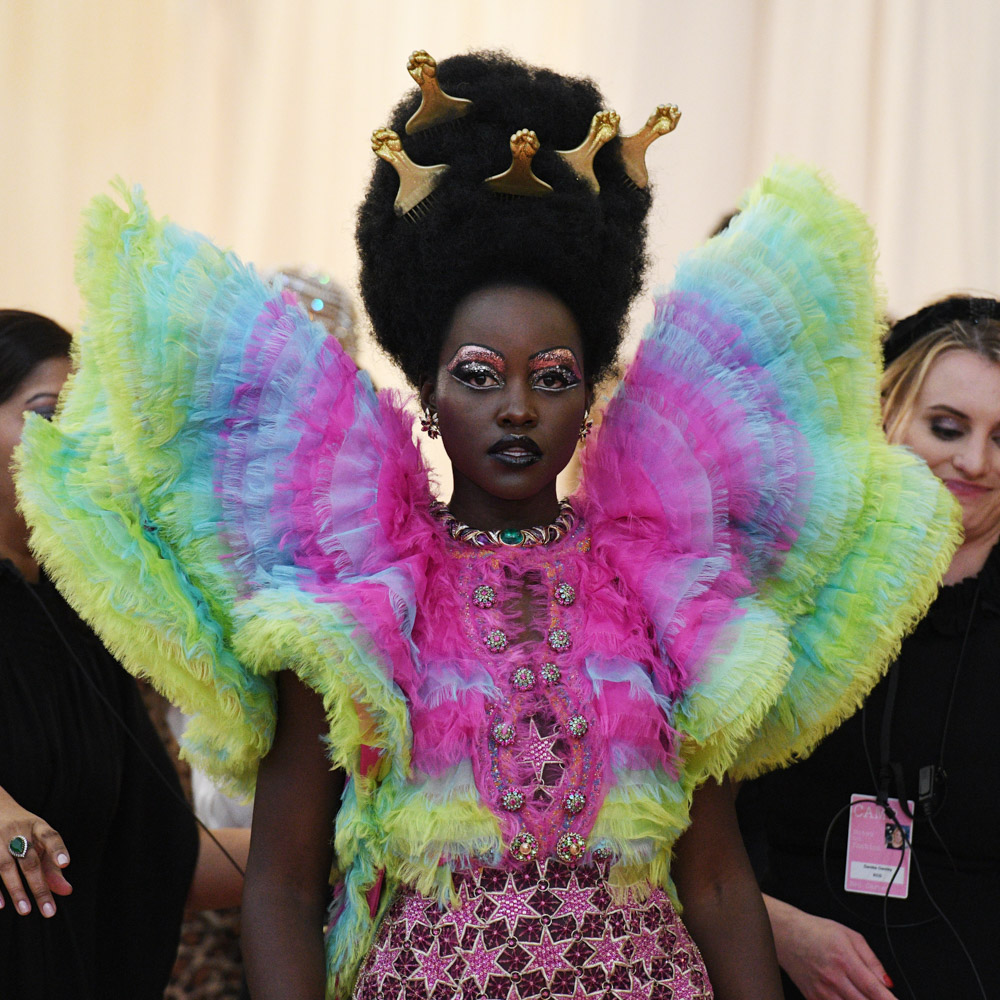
[(591, 394), (426, 393)]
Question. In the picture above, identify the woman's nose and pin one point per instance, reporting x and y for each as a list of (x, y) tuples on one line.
[(517, 408), (971, 459)]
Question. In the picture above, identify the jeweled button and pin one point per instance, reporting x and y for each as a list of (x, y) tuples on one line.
[(503, 733), (523, 678), (569, 848), (565, 594), (484, 596), (524, 847), (496, 640), (574, 802), (512, 800), (550, 673), (559, 640), (577, 726)]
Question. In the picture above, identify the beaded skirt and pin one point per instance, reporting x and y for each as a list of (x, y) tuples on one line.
[(544, 932)]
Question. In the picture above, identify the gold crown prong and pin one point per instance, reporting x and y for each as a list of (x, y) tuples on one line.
[(519, 178), (603, 128), (661, 122), (436, 107), (415, 182)]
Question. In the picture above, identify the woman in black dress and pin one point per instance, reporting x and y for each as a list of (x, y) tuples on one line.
[(93, 908), (934, 744)]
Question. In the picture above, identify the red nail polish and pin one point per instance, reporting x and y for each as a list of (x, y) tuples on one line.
[(887, 980)]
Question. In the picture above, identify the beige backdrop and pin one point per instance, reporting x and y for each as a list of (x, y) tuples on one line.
[(251, 120)]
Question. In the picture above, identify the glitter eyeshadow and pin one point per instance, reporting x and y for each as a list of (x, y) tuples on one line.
[(561, 357), (479, 355)]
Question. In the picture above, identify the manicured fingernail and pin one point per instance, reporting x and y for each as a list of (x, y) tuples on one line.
[(24, 906), (62, 860), (887, 980), (48, 909)]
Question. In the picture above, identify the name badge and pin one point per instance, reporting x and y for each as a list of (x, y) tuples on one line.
[(878, 851)]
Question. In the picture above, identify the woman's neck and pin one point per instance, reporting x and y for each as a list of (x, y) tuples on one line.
[(14, 545), (482, 510), (970, 558)]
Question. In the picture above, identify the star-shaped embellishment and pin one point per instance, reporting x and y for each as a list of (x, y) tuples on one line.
[(385, 963), (547, 955), (432, 966), (608, 951), (581, 994), (644, 949), (537, 751), (481, 963), (464, 915), (414, 912), (573, 899), (513, 904), (639, 990)]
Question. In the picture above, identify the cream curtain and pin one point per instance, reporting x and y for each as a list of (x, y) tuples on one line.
[(251, 120)]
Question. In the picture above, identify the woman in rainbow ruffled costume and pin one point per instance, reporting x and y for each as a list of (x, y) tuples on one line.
[(516, 713)]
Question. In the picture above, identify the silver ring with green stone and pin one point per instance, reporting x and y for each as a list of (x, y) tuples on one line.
[(19, 847)]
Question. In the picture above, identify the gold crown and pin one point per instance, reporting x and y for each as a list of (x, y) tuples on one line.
[(417, 183)]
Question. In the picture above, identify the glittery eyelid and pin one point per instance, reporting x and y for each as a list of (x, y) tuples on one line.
[(560, 357), (477, 353)]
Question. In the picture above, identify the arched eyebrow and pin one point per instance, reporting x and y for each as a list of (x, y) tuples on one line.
[(553, 350)]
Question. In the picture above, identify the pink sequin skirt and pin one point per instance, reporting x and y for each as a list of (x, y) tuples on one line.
[(544, 932)]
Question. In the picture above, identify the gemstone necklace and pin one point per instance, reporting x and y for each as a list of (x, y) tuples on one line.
[(544, 535)]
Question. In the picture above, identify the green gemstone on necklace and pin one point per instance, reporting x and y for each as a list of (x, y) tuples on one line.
[(511, 536)]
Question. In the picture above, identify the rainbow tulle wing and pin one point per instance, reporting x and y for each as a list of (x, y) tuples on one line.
[(785, 547), (216, 467)]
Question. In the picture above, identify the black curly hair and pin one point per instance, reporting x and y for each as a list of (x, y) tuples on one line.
[(588, 250)]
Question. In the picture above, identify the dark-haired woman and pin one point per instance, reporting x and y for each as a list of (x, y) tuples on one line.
[(934, 744), (96, 856), (516, 713)]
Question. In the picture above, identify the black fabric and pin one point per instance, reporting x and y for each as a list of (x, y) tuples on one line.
[(132, 845), (795, 807)]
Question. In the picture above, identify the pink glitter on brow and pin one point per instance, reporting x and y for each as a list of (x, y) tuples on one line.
[(561, 356), (480, 354)]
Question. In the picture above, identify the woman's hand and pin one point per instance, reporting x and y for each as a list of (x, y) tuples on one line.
[(40, 868), (826, 960)]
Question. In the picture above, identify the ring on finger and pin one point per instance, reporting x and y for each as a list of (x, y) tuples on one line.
[(19, 846)]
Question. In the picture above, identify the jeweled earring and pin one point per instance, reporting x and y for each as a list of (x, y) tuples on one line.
[(586, 426), (429, 423)]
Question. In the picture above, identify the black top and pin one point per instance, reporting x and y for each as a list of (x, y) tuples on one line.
[(133, 846), (799, 805)]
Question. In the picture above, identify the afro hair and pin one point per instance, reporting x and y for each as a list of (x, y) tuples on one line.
[(588, 250)]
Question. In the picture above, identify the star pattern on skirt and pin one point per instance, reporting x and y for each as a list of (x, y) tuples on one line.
[(481, 963), (547, 955), (608, 951), (465, 914), (540, 930), (432, 966), (573, 898), (414, 912), (644, 948), (639, 990), (385, 964)]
